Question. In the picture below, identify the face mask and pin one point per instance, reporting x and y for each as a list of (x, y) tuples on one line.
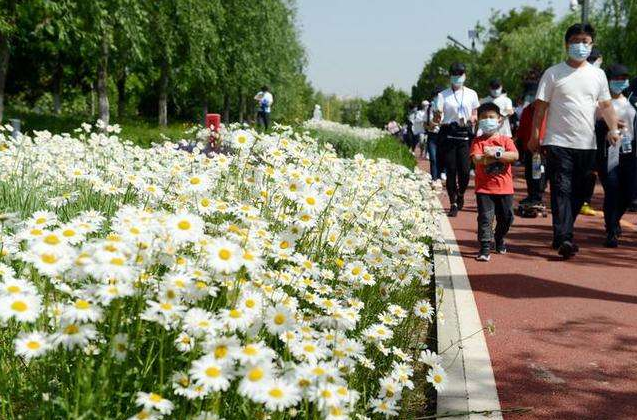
[(618, 86), (489, 125), (496, 92), (529, 99), (579, 51), (458, 80)]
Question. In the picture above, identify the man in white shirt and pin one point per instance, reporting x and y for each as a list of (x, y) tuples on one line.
[(502, 100), (456, 110), (264, 101), (568, 95)]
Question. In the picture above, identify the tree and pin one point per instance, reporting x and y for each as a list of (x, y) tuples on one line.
[(8, 27), (391, 105)]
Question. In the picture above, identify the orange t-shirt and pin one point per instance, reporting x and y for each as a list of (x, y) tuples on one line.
[(495, 178)]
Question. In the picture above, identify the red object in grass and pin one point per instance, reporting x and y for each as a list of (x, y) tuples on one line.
[(213, 121)]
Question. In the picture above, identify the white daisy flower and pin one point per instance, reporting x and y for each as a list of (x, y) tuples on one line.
[(31, 345), (279, 395), (21, 307), (152, 401), (437, 377), (211, 373)]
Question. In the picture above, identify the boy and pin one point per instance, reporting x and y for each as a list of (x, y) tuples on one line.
[(617, 162), (493, 154)]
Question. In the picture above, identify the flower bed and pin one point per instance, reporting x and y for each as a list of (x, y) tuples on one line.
[(360, 133), (154, 283)]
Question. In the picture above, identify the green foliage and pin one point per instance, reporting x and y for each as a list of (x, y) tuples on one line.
[(391, 105)]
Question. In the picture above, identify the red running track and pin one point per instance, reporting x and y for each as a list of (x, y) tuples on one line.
[(566, 331)]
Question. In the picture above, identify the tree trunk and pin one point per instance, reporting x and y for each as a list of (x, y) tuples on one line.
[(242, 106), (57, 87), (226, 109), (204, 109), (4, 65), (163, 95), (121, 95), (102, 83)]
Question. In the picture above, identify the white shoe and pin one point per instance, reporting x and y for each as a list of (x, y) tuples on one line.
[(443, 176), (472, 173)]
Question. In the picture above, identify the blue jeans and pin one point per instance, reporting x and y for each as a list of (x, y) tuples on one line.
[(432, 150)]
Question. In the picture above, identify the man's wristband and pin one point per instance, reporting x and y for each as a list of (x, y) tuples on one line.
[(617, 132)]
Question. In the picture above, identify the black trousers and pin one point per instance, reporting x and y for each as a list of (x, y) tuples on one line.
[(263, 118), (535, 187), (619, 189), (454, 146), (570, 172), (499, 206)]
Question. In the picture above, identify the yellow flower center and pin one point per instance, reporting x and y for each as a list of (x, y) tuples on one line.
[(221, 352), (82, 304), (166, 306), (134, 230), (276, 393), (33, 345), (309, 348), (36, 232), (68, 233), (250, 303), (284, 245), (255, 374), (184, 225), (195, 180), (356, 271), (205, 202), (71, 329), (318, 371), (117, 261), (437, 378), (40, 220), (250, 350), (235, 313), (225, 254), (51, 240), (279, 319), (154, 397), (48, 258), (13, 289), (213, 372), (19, 306), (310, 200)]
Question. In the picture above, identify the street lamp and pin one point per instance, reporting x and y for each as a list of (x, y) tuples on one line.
[(585, 4)]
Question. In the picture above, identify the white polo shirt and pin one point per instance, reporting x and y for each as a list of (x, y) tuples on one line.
[(458, 104)]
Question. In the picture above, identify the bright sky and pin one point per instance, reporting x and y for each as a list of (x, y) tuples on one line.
[(357, 47)]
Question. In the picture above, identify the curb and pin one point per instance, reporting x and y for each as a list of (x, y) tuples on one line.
[(471, 384)]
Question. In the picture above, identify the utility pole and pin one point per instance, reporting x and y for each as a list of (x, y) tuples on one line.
[(459, 44)]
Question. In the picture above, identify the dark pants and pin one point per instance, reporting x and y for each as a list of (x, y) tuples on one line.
[(432, 150), (619, 189), (263, 118), (457, 165), (535, 187), (570, 172), (490, 205)]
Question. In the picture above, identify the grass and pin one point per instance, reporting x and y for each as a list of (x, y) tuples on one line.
[(386, 147), (140, 131)]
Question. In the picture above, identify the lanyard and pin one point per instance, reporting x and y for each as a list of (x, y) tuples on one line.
[(460, 103)]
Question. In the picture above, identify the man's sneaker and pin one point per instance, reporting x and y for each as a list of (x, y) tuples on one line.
[(453, 211), (587, 210), (460, 202), (611, 242), (566, 250), (483, 256), (500, 247)]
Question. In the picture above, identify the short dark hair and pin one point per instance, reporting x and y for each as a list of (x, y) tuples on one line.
[(488, 106), (265, 88), (457, 69), (495, 83), (617, 70), (579, 29)]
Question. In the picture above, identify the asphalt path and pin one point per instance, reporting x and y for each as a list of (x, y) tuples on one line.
[(566, 331)]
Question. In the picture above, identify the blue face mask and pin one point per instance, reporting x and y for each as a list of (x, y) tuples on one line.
[(618, 86), (489, 125), (496, 92), (458, 80), (579, 51)]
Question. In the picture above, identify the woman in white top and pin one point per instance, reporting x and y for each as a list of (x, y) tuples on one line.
[(456, 110), (617, 162)]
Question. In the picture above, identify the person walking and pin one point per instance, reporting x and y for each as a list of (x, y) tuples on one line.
[(457, 113), (498, 96), (493, 153), (596, 59), (264, 101), (617, 162), (568, 95), (432, 130)]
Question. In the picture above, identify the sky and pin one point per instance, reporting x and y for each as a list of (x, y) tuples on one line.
[(358, 47)]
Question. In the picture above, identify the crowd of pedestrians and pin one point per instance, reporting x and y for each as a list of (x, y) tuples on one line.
[(575, 123)]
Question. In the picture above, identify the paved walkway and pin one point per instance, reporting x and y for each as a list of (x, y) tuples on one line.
[(566, 339)]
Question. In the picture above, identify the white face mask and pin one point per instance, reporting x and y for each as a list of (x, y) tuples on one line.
[(496, 92)]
